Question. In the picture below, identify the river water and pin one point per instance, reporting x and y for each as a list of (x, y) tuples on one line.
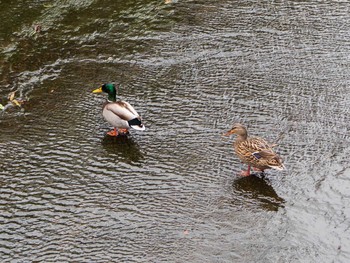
[(173, 193)]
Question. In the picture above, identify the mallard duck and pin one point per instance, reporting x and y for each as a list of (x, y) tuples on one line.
[(120, 114), (254, 151)]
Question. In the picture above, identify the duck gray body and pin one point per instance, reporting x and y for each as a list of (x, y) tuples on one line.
[(122, 115)]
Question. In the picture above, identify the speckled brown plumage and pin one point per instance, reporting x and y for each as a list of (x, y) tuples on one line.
[(254, 151)]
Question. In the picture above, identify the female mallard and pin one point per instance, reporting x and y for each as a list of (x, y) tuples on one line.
[(254, 151), (120, 114)]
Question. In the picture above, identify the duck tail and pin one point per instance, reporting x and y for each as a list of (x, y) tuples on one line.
[(136, 124), (280, 167)]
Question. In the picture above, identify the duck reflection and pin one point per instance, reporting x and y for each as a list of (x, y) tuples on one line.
[(259, 190), (123, 146)]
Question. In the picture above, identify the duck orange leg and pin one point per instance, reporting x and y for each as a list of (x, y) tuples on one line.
[(246, 173), (123, 131), (116, 132), (113, 132)]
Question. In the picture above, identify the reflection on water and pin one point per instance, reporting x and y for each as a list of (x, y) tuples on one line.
[(259, 191), (123, 146)]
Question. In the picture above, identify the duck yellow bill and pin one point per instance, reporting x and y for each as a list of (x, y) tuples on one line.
[(99, 90), (227, 133)]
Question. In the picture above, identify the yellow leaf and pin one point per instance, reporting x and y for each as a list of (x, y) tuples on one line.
[(12, 95), (16, 103)]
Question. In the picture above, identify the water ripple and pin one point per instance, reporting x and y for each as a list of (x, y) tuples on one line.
[(172, 193)]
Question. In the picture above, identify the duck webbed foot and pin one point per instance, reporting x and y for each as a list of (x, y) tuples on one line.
[(118, 132), (123, 131), (245, 173), (113, 132)]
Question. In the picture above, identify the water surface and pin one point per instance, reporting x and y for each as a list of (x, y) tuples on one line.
[(173, 193)]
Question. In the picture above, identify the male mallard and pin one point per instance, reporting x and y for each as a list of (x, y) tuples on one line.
[(120, 114), (254, 151)]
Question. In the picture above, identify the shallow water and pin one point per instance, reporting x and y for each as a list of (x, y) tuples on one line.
[(173, 193)]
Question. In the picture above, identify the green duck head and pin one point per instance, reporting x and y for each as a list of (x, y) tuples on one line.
[(110, 89)]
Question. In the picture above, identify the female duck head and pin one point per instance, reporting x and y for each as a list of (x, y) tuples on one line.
[(110, 89), (238, 129)]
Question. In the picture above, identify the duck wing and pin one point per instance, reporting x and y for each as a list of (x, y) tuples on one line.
[(256, 144), (259, 152), (123, 110), (270, 159)]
